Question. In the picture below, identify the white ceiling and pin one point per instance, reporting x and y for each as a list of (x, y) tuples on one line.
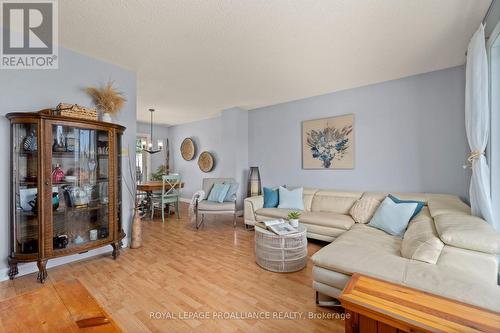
[(196, 58)]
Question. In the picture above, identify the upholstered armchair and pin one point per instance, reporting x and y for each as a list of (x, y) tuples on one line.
[(203, 207)]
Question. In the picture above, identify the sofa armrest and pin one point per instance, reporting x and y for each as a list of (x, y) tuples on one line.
[(251, 205)]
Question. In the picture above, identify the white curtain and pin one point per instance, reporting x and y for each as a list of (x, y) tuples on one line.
[(477, 125)]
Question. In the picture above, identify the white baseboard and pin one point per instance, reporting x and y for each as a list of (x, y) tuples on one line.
[(31, 267)]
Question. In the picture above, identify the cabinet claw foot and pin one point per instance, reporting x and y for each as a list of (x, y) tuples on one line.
[(13, 271), (42, 271), (116, 250)]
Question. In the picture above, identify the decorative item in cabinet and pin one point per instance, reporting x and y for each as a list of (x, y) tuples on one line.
[(57, 174), (66, 199), (75, 111), (59, 141), (30, 142)]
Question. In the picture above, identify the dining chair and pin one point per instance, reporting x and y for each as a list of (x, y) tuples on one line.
[(170, 194)]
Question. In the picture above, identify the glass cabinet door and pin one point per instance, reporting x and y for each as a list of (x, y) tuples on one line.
[(80, 179), (119, 183), (24, 187)]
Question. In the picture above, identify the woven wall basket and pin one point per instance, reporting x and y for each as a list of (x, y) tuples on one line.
[(206, 161), (188, 149)]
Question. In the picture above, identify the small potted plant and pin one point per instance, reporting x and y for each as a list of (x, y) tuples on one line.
[(293, 218)]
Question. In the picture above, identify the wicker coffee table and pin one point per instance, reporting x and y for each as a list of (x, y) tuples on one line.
[(287, 253)]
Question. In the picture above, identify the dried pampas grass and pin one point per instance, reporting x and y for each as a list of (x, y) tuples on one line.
[(107, 98)]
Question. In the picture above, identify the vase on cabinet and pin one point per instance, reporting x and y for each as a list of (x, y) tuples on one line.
[(106, 117)]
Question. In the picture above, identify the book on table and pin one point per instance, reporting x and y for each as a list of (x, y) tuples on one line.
[(279, 227)]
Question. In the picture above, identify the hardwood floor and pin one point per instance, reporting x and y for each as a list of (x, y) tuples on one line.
[(181, 273)]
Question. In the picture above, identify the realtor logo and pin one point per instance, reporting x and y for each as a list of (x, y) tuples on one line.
[(29, 34)]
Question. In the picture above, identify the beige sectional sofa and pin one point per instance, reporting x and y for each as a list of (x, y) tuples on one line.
[(445, 250)]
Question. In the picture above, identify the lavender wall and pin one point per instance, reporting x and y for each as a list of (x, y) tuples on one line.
[(409, 136), (32, 90)]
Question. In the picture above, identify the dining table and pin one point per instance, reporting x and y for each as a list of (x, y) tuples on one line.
[(150, 187)]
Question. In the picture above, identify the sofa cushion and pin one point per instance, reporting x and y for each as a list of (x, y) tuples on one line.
[(363, 209), (440, 204), (467, 232), (278, 213), (479, 265), (211, 205), (329, 220), (326, 219), (334, 201), (420, 241), (330, 232), (365, 250), (452, 283)]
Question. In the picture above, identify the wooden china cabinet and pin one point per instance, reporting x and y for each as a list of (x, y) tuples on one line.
[(65, 187)]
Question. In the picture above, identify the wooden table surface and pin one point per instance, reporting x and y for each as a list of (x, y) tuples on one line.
[(152, 186), (65, 306), (397, 308)]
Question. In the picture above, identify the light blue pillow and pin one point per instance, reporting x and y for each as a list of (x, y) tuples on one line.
[(218, 192), (231, 193), (291, 199), (393, 217)]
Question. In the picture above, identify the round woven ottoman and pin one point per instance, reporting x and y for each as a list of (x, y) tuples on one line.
[(287, 253)]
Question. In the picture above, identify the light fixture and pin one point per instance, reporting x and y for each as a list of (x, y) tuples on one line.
[(149, 145)]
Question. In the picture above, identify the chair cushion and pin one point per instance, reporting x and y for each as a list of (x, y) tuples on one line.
[(365, 250), (216, 206), (393, 217), (363, 209), (218, 193), (467, 232), (420, 241), (291, 198), (327, 219)]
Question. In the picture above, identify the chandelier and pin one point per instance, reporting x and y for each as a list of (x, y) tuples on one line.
[(148, 147)]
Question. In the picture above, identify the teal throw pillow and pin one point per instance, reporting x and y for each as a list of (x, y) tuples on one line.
[(420, 204)]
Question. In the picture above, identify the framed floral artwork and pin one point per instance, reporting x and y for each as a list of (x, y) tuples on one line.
[(328, 143)]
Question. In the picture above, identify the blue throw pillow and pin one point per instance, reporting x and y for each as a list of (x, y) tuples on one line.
[(420, 204), (291, 199), (218, 193), (231, 193), (392, 217), (271, 198)]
